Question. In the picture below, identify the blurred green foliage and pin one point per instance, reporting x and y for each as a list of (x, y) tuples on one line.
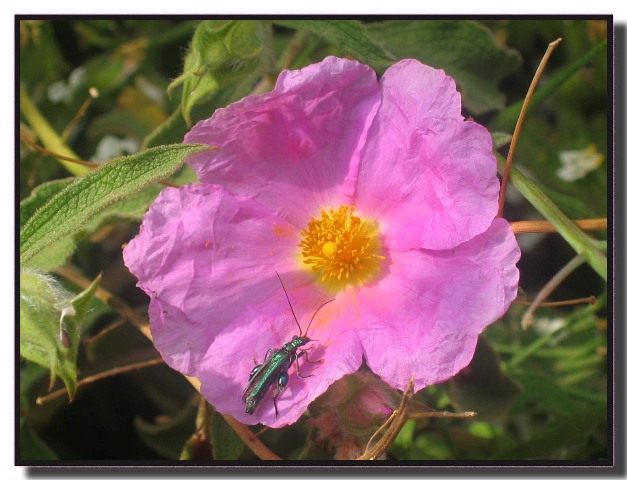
[(540, 394)]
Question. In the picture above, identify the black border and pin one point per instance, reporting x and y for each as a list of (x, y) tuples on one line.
[(615, 465)]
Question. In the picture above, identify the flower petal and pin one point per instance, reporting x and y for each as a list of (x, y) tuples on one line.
[(207, 259), (207, 254), (295, 142), (423, 319), (203, 255), (426, 174), (268, 325)]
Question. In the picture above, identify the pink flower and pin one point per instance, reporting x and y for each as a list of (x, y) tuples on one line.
[(376, 193)]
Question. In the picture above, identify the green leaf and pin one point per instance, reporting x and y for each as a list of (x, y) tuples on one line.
[(41, 59), (582, 317), (97, 33), (107, 73), (69, 210), (573, 207), (171, 130), (50, 324), (500, 139), (121, 123), (31, 374), (199, 445), (41, 339), (405, 438), (221, 53), (57, 253), (32, 447), (348, 35), (541, 394), (131, 209), (550, 141), (81, 303), (39, 196), (482, 386), (465, 49), (562, 435), (225, 442), (169, 435), (431, 446), (576, 238)]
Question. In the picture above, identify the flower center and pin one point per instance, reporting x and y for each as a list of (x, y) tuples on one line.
[(341, 248)]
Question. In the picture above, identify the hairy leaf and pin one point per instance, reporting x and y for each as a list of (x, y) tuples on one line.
[(50, 324), (69, 210)]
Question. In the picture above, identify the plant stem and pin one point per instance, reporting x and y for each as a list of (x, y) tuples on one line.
[(99, 376), (544, 226), (521, 119), (394, 424), (574, 301), (552, 284), (578, 240), (50, 138), (506, 119), (93, 93)]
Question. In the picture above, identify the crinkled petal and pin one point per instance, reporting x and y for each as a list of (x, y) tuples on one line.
[(207, 254), (427, 175), (203, 255), (208, 261), (424, 317), (268, 325), (296, 142)]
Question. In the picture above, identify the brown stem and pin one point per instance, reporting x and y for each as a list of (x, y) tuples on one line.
[(575, 301), (93, 93), (103, 332), (58, 156), (99, 376), (519, 122), (543, 226), (436, 414), (550, 286), (394, 424), (251, 440)]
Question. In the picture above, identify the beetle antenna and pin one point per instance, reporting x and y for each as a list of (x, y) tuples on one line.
[(314, 315), (300, 330)]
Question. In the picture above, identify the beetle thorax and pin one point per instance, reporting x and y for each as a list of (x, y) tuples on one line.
[(296, 342)]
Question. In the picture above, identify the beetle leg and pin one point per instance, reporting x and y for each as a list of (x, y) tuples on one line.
[(307, 357), (281, 384), (300, 354)]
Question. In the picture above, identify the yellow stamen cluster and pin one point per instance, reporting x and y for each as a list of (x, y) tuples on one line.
[(341, 247)]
